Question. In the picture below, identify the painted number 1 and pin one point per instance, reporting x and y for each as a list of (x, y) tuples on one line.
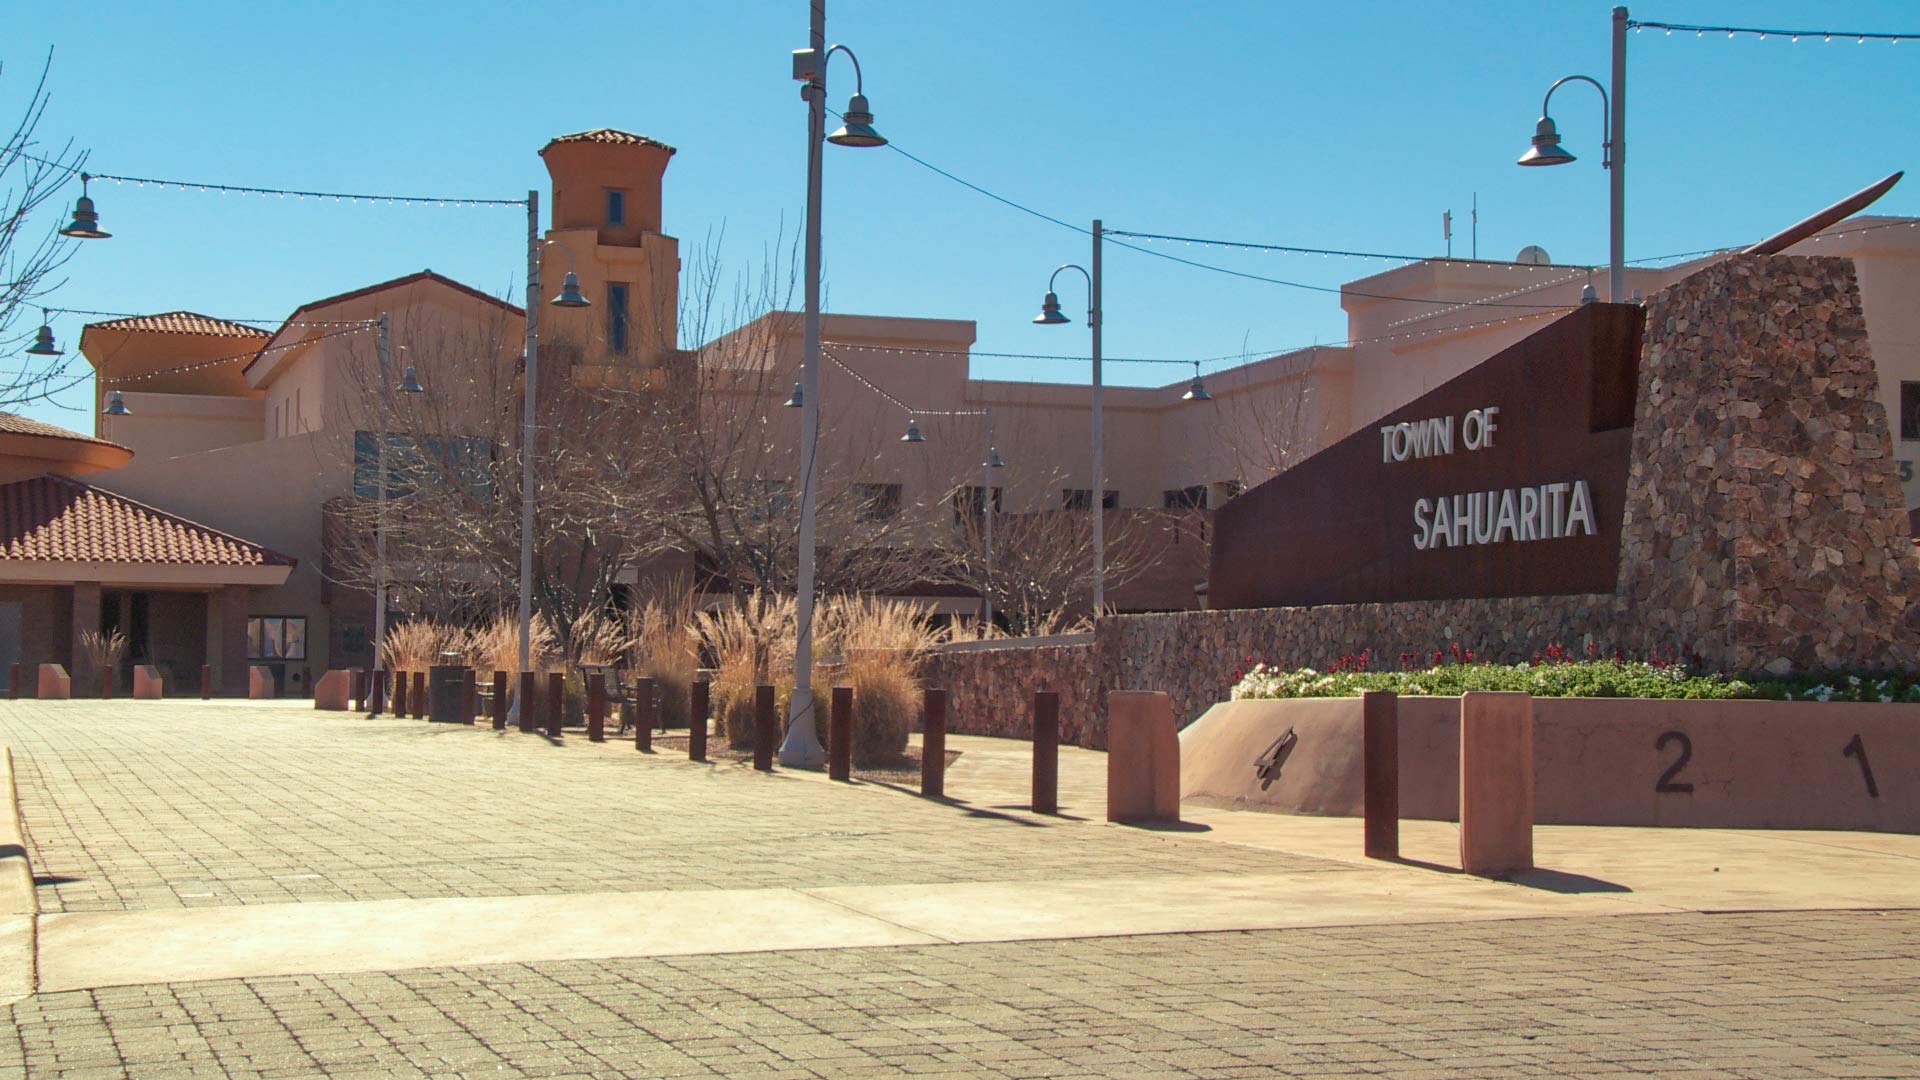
[(1857, 750)]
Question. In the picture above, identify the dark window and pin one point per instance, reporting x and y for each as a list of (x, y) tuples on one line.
[(616, 207), (617, 316), (1082, 499), (275, 637), (968, 502), (1186, 498), (1910, 410), (876, 502), (465, 459)]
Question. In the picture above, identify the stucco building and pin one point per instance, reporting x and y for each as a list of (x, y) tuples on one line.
[(251, 432)]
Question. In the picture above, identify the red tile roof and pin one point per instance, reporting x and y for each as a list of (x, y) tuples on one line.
[(182, 322), (59, 519), (11, 424), (609, 136)]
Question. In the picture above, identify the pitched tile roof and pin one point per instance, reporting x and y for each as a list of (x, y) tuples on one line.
[(182, 322), (610, 136), (13, 424), (59, 519), (403, 280)]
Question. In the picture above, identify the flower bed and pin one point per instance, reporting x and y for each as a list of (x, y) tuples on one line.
[(1558, 673)]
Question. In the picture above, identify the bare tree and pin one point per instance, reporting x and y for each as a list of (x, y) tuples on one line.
[(32, 251), (1267, 415)]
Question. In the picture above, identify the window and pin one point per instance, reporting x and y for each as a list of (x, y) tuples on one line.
[(1082, 499), (275, 637), (617, 316), (464, 459), (968, 502), (1186, 498), (616, 207), (876, 502), (771, 500), (1910, 410)]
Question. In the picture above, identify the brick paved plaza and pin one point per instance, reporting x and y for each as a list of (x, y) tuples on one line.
[(177, 812)]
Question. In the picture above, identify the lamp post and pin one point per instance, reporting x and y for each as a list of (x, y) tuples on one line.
[(987, 465), (570, 297), (1546, 150), (801, 748), (1050, 315), (410, 383)]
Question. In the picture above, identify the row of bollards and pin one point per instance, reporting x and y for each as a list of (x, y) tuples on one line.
[(369, 693)]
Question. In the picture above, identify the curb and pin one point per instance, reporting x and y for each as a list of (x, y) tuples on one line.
[(19, 908)]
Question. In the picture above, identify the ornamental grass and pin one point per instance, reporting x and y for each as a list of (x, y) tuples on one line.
[(750, 643), (663, 644)]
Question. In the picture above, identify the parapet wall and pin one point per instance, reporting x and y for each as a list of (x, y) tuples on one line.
[(1763, 528), (991, 688)]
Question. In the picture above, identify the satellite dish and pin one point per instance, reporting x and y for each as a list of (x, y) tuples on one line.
[(1533, 255)]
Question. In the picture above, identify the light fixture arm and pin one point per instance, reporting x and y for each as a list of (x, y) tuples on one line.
[(1092, 313), (569, 251), (859, 85), (1606, 113)]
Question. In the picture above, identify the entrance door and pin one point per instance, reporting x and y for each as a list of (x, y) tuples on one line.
[(9, 640)]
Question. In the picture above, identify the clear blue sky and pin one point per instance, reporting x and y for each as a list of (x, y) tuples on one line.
[(1346, 125)]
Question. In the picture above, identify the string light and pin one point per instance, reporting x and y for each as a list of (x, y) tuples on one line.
[(896, 402), (1290, 249), (218, 318), (247, 356), (1761, 32)]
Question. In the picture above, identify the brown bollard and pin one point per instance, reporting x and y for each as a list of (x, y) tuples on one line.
[(206, 685), (556, 702), (106, 685), (1380, 772), (357, 681), (643, 691), (419, 696), (1496, 782), (596, 707), (1046, 752), (933, 744), (499, 701), (764, 725), (840, 735), (469, 696), (400, 694), (529, 694), (697, 709), (13, 681), (379, 703)]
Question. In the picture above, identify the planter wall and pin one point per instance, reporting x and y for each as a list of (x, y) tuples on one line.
[(1597, 761)]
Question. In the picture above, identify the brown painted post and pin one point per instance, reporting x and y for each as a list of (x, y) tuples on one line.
[(1380, 772), (763, 728), (697, 710), (556, 702), (470, 696), (643, 715), (933, 745), (419, 696), (1046, 752), (1496, 782), (13, 681), (840, 735), (379, 692), (206, 686), (106, 685), (499, 701), (596, 707), (529, 693), (400, 694)]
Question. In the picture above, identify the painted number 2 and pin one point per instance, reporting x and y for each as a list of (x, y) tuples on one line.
[(1857, 750), (1667, 784)]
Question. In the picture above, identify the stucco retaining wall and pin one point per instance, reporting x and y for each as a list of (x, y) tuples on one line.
[(1763, 530), (991, 688), (1597, 761)]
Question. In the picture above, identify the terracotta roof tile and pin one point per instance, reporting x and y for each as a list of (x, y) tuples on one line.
[(182, 322), (13, 424), (610, 136), (59, 519)]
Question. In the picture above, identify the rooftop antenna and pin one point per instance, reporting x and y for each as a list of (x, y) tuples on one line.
[(1446, 230), (1476, 225)]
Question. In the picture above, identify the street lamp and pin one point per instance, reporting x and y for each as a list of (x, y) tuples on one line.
[(1050, 315), (411, 385), (1546, 150), (987, 466), (43, 343), (116, 405), (1197, 389), (86, 221), (801, 748)]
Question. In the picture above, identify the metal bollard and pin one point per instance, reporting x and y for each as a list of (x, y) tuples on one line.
[(556, 702), (499, 701), (643, 715), (764, 726), (419, 696), (469, 696), (1046, 752), (529, 683), (400, 694), (1380, 772), (206, 685), (379, 692), (13, 681), (596, 707), (933, 745), (840, 735), (106, 685), (697, 709)]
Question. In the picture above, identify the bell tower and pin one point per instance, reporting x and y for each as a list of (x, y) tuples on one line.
[(606, 219)]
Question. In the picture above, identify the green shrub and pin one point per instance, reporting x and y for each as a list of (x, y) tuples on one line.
[(1583, 678)]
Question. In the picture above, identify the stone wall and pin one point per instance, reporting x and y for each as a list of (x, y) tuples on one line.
[(1762, 531), (991, 688)]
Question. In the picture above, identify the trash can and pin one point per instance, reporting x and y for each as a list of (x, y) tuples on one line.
[(446, 690)]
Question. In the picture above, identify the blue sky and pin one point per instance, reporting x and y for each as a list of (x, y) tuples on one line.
[(1347, 125)]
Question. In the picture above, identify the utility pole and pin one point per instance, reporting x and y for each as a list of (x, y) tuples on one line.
[(380, 510), (528, 433)]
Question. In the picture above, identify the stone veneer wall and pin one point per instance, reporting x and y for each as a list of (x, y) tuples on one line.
[(990, 690), (1763, 528)]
